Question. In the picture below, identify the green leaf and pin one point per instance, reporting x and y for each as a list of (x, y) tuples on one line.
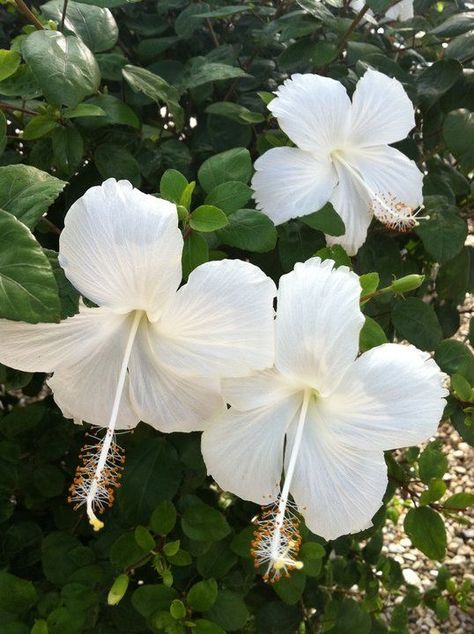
[(173, 185), (232, 165), (432, 462), (125, 552), (417, 322), (290, 589), (249, 230), (217, 560), (63, 556), (68, 149), (297, 242), (229, 611), (369, 283), (144, 538), (203, 626), (436, 490), (68, 296), (116, 113), (202, 72), (16, 595), (151, 598), (63, 66), (156, 88), (208, 218), (3, 132), (229, 196), (94, 25), (202, 595), (84, 110), (459, 501), (452, 281), (371, 335), (347, 617), (461, 48), (462, 388), (455, 25), (39, 126), (204, 523), (336, 253), (426, 530), (436, 80), (444, 233), (163, 518), (326, 220), (235, 112), (113, 161), (311, 554), (453, 357), (9, 63), (195, 252), (21, 84), (28, 290), (153, 474), (458, 132), (118, 589)]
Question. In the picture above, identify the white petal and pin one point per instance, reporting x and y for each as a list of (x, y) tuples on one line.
[(220, 323), (243, 451), (318, 323), (290, 183), (85, 353), (165, 400), (381, 111), (401, 11), (352, 203), (260, 389), (337, 488), (392, 396), (314, 111), (122, 248), (389, 172)]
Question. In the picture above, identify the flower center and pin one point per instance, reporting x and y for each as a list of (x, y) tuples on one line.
[(390, 210)]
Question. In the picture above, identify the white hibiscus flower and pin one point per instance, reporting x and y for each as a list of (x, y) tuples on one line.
[(149, 351), (342, 155), (401, 11), (323, 414)]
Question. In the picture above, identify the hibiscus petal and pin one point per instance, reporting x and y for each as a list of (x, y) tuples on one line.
[(122, 248), (401, 11), (390, 173), (258, 390), (243, 451), (165, 400), (314, 111), (392, 396), (220, 323), (352, 203), (318, 323), (85, 353), (381, 111), (337, 488), (290, 183)]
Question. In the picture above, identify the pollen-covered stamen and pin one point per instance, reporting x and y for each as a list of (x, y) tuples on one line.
[(393, 212), (277, 540), (109, 479), (94, 487), (276, 547)]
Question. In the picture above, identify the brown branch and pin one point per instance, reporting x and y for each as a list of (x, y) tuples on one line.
[(352, 27), (28, 13), (9, 108), (213, 33)]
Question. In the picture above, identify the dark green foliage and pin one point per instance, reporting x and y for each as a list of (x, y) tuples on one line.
[(172, 96)]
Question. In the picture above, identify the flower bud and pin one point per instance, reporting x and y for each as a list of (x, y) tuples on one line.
[(177, 609), (407, 283), (118, 590)]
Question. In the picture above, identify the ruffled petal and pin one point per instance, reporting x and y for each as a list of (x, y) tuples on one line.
[(389, 174), (220, 323), (314, 111), (85, 353), (260, 389), (392, 396), (318, 323), (352, 202), (381, 111), (290, 183), (122, 248), (338, 489), (165, 400), (243, 451)]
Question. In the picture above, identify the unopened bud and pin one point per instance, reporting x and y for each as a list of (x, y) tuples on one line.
[(177, 609), (118, 590), (407, 283)]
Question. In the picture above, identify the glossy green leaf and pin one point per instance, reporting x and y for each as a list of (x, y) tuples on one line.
[(232, 165), (425, 528), (208, 218)]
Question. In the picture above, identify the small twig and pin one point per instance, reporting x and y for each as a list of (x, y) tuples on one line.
[(213, 33), (63, 16), (51, 226), (23, 8), (352, 27), (10, 108)]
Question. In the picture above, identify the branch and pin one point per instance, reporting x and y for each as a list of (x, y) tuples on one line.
[(352, 27), (31, 17), (63, 16)]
